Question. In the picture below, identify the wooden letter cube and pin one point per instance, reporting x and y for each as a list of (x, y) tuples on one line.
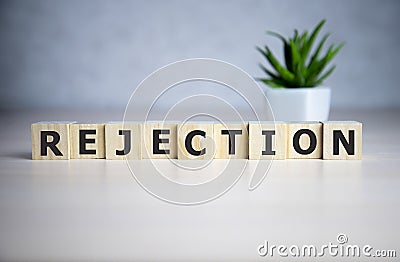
[(50, 140), (87, 141), (123, 140), (159, 140), (231, 140), (195, 140), (342, 140), (304, 140), (267, 140)]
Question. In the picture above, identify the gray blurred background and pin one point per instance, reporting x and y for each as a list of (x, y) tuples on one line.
[(92, 54)]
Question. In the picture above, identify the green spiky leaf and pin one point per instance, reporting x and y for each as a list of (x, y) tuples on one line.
[(283, 72), (309, 43)]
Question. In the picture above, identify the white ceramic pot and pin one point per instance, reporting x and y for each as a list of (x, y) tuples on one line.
[(300, 104)]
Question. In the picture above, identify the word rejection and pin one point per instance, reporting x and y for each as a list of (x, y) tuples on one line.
[(197, 140)]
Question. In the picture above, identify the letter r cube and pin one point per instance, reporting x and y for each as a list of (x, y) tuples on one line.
[(50, 140)]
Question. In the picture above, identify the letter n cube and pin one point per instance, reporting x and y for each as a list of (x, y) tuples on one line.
[(342, 140)]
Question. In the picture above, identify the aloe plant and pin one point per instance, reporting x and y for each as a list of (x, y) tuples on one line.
[(300, 69)]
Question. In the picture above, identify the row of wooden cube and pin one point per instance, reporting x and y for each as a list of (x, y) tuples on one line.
[(201, 140)]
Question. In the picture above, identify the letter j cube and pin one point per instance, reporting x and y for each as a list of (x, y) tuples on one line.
[(50, 140), (123, 140)]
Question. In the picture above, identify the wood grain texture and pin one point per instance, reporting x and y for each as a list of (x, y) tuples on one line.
[(166, 131), (298, 133), (116, 134), (198, 142), (237, 148), (95, 145), (63, 146), (258, 142), (350, 132)]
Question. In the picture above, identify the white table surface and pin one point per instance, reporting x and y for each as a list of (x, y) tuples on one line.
[(94, 210)]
